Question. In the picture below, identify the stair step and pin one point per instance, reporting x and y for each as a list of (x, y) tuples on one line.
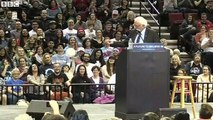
[(137, 3)]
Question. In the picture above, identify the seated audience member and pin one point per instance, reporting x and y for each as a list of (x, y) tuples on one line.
[(109, 69), (205, 112), (53, 9), (88, 45), (37, 56), (186, 6), (204, 21), (151, 116), (208, 9), (81, 93), (207, 46), (107, 49), (97, 90), (69, 71), (59, 79), (85, 58), (194, 67), (14, 92), (70, 31), (61, 57), (203, 33), (6, 67), (47, 67), (204, 91), (80, 115), (182, 116), (50, 48), (97, 57), (186, 30), (37, 79), (170, 6), (23, 67)]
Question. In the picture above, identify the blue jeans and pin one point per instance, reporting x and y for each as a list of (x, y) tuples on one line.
[(13, 99)]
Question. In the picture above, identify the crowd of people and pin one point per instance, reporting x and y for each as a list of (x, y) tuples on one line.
[(60, 43)]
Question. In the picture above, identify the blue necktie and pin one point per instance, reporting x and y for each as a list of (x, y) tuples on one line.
[(139, 37)]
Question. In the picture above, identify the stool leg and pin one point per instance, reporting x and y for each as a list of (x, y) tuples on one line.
[(182, 94), (192, 97), (173, 94)]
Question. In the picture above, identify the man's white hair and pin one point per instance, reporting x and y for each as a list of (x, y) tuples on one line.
[(141, 20)]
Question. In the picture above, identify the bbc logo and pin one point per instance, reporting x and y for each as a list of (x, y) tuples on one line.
[(9, 3)]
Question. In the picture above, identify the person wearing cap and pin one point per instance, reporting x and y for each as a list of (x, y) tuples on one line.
[(115, 18), (80, 36), (50, 34), (140, 34)]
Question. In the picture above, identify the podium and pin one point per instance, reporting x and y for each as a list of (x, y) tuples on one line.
[(142, 81)]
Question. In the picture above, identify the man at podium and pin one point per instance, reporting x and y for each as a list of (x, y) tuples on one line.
[(140, 34)]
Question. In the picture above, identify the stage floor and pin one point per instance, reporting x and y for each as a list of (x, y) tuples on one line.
[(95, 111)]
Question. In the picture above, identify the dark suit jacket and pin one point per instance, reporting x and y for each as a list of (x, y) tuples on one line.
[(151, 36)]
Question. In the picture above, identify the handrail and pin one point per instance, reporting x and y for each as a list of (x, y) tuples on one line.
[(155, 10)]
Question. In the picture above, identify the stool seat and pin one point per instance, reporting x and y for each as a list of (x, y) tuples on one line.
[(182, 80)]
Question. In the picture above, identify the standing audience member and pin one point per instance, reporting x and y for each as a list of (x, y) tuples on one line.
[(15, 92)]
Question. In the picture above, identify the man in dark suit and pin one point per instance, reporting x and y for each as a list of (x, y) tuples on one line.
[(141, 34)]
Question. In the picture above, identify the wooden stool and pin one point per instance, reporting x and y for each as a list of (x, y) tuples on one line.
[(182, 93)]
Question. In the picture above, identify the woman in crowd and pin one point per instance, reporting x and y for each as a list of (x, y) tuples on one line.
[(203, 33), (60, 38), (37, 79), (41, 37), (81, 94), (12, 47), (26, 23), (207, 46), (6, 68), (109, 69), (98, 41), (37, 56), (24, 36), (31, 45), (204, 91), (96, 90), (53, 9), (97, 23), (88, 46), (97, 57), (79, 23)]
